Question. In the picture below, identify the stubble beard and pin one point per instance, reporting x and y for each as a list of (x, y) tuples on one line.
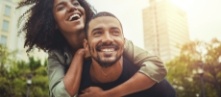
[(106, 64)]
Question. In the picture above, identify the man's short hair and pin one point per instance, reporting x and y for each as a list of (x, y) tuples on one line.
[(100, 14)]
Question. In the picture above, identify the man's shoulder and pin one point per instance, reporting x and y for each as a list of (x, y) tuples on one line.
[(128, 64), (129, 69)]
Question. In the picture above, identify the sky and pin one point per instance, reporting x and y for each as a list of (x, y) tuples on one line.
[(204, 17)]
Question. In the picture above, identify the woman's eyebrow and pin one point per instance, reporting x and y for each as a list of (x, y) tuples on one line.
[(59, 3)]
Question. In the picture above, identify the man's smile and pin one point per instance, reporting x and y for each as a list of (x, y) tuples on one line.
[(107, 48)]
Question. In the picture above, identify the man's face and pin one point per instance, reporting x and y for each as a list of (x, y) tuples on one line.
[(105, 40)]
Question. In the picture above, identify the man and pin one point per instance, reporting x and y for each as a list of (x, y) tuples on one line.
[(108, 68)]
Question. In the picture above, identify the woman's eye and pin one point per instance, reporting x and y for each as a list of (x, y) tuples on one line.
[(60, 7), (76, 3)]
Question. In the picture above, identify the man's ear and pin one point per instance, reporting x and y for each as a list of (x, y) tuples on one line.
[(125, 42), (86, 47), (86, 44)]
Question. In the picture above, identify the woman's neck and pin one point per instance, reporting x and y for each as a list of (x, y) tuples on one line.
[(76, 40)]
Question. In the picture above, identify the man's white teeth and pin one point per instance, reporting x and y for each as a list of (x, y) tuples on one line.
[(108, 50), (74, 17)]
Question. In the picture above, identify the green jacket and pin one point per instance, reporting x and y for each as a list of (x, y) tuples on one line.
[(58, 63)]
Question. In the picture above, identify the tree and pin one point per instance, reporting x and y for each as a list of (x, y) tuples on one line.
[(5, 65), (184, 70), (37, 71)]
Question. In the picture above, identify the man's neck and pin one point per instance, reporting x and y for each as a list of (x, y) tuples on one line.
[(106, 74)]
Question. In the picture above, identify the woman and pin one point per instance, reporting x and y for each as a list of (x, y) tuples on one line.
[(57, 26)]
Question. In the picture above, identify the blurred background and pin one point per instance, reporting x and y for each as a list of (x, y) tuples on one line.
[(185, 34)]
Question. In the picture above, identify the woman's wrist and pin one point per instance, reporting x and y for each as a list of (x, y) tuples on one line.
[(113, 93), (80, 53)]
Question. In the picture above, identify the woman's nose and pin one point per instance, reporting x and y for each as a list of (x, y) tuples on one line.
[(71, 7)]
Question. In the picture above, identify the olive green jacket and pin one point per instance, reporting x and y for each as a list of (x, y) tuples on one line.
[(58, 63)]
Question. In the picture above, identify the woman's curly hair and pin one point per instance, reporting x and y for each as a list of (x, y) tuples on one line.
[(40, 27)]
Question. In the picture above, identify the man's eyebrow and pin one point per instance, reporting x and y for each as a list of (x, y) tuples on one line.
[(115, 28), (98, 28)]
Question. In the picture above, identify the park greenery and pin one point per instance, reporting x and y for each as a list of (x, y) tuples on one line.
[(197, 70), (15, 73), (194, 73)]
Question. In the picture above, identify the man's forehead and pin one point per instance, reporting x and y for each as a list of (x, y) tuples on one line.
[(104, 20)]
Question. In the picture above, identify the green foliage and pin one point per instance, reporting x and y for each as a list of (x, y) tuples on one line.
[(195, 56), (13, 76)]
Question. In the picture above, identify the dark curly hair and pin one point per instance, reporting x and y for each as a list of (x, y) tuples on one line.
[(40, 27)]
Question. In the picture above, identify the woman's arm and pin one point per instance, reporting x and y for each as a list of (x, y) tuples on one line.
[(61, 84), (150, 64), (73, 76)]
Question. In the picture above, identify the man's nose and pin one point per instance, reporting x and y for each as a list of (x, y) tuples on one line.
[(107, 37)]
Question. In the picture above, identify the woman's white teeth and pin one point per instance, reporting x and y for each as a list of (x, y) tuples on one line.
[(74, 17), (108, 50)]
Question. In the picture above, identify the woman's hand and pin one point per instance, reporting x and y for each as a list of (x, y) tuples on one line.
[(82, 52)]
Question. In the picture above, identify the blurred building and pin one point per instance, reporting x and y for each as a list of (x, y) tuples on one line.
[(9, 28), (165, 29), (8, 21)]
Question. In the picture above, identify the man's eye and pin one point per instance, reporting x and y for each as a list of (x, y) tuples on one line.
[(115, 32), (97, 33)]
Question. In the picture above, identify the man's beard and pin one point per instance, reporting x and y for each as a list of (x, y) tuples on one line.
[(106, 64), (98, 58)]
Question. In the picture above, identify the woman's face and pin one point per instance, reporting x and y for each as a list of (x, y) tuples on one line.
[(70, 18)]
